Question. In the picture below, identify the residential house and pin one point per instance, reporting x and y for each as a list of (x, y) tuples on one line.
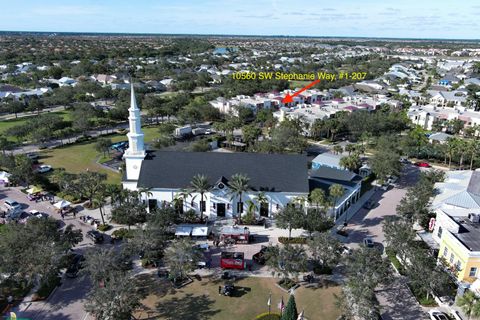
[(448, 80), (439, 137)]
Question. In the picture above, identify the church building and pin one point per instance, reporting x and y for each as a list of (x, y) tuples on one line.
[(275, 179)]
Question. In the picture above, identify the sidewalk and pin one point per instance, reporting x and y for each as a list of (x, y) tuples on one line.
[(26, 148), (354, 209)]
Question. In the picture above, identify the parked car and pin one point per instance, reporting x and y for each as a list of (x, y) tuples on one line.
[(368, 242), (436, 314), (392, 180), (259, 257), (370, 204), (422, 164), (75, 266), (38, 214), (19, 216), (346, 250), (95, 236), (44, 168), (12, 205), (33, 157), (404, 160)]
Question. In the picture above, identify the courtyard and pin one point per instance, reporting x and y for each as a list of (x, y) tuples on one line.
[(200, 299)]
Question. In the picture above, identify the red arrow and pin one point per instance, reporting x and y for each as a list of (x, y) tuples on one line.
[(289, 98)]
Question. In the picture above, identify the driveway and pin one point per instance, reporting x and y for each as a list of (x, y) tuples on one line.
[(396, 300)]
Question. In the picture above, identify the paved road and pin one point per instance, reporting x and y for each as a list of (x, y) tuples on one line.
[(396, 300), (65, 304), (30, 114), (27, 148), (67, 301), (369, 222)]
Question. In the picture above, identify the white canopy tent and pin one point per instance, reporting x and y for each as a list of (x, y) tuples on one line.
[(4, 177), (62, 204), (194, 230), (183, 231)]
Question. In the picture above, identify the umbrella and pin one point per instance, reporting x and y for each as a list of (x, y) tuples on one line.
[(62, 204), (34, 189)]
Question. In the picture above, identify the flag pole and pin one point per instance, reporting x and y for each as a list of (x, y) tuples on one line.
[(269, 302)]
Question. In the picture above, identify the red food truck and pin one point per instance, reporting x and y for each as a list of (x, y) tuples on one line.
[(238, 234), (232, 260)]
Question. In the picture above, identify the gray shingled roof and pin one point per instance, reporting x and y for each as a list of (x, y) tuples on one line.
[(267, 172), (469, 235), (334, 174)]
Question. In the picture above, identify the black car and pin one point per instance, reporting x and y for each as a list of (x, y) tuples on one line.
[(95, 236), (228, 289), (75, 266), (259, 257), (369, 205)]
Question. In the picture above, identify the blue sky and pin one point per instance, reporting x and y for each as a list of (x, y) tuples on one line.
[(373, 18)]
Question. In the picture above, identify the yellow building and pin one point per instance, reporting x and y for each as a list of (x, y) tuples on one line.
[(460, 246)]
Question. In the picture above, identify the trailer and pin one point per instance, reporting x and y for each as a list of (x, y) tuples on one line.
[(183, 131), (238, 234), (198, 131), (232, 260)]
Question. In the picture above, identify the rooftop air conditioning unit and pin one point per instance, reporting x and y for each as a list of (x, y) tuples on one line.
[(475, 218)]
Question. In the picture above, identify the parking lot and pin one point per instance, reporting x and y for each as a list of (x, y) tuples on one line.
[(66, 303)]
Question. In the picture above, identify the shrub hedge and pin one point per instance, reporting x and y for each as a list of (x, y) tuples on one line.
[(295, 240), (266, 316), (104, 227)]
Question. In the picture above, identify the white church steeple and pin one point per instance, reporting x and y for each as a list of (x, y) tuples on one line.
[(135, 153)]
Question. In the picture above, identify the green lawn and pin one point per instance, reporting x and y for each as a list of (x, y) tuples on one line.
[(79, 157), (6, 124), (200, 300), (297, 84)]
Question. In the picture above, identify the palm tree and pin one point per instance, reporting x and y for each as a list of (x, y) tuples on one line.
[(200, 185), (300, 200), (262, 200), (99, 201), (350, 148), (317, 197), (116, 193), (335, 191), (450, 149), (461, 148), (238, 186), (337, 149), (469, 304), (474, 149), (147, 193), (351, 162), (183, 196)]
